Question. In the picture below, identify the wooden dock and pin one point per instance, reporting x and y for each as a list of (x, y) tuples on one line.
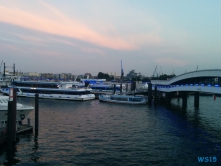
[(24, 128)]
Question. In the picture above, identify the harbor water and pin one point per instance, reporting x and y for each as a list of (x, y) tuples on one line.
[(96, 133)]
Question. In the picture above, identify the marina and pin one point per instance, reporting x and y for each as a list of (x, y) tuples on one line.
[(114, 83), (130, 128), (138, 123)]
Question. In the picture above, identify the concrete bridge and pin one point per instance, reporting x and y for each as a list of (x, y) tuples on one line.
[(201, 81)]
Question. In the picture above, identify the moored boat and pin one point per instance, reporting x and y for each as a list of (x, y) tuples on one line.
[(51, 90), (125, 99), (22, 110)]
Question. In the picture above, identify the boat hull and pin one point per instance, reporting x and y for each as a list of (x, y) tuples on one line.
[(55, 96), (59, 97)]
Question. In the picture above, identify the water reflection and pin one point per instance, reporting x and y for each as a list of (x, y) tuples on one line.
[(94, 133), (10, 157), (34, 156)]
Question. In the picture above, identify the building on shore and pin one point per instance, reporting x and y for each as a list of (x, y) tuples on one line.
[(28, 74)]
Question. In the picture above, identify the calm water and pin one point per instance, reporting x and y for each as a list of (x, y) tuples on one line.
[(98, 133)]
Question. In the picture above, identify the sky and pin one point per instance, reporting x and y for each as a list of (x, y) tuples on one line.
[(92, 36)]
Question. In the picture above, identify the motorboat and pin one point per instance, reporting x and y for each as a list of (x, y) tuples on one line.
[(22, 110), (123, 98)]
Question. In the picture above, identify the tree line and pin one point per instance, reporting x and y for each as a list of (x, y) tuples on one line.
[(134, 76)]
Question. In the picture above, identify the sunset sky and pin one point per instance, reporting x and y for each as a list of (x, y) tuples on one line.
[(93, 36)]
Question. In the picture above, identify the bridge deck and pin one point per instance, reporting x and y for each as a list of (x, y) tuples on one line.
[(190, 88)]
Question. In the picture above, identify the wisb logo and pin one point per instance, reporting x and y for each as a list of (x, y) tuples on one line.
[(207, 159)]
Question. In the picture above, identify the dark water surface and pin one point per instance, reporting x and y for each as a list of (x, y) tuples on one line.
[(98, 133)]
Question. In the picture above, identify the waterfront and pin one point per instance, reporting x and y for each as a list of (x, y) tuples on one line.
[(98, 133)]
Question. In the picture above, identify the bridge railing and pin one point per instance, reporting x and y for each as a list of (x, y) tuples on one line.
[(190, 87), (170, 86)]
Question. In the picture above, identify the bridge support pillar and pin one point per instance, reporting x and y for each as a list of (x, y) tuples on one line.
[(184, 101), (149, 92), (155, 94), (178, 96), (168, 97), (196, 99)]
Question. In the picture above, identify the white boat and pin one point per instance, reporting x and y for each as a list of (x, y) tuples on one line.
[(22, 110), (51, 90), (125, 99)]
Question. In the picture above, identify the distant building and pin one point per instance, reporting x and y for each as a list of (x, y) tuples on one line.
[(47, 75), (31, 74)]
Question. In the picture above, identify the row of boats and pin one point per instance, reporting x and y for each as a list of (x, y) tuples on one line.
[(77, 91), (72, 91), (62, 91)]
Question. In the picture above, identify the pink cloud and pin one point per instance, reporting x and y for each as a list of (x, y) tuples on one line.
[(62, 26), (91, 50), (5, 47), (30, 38)]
